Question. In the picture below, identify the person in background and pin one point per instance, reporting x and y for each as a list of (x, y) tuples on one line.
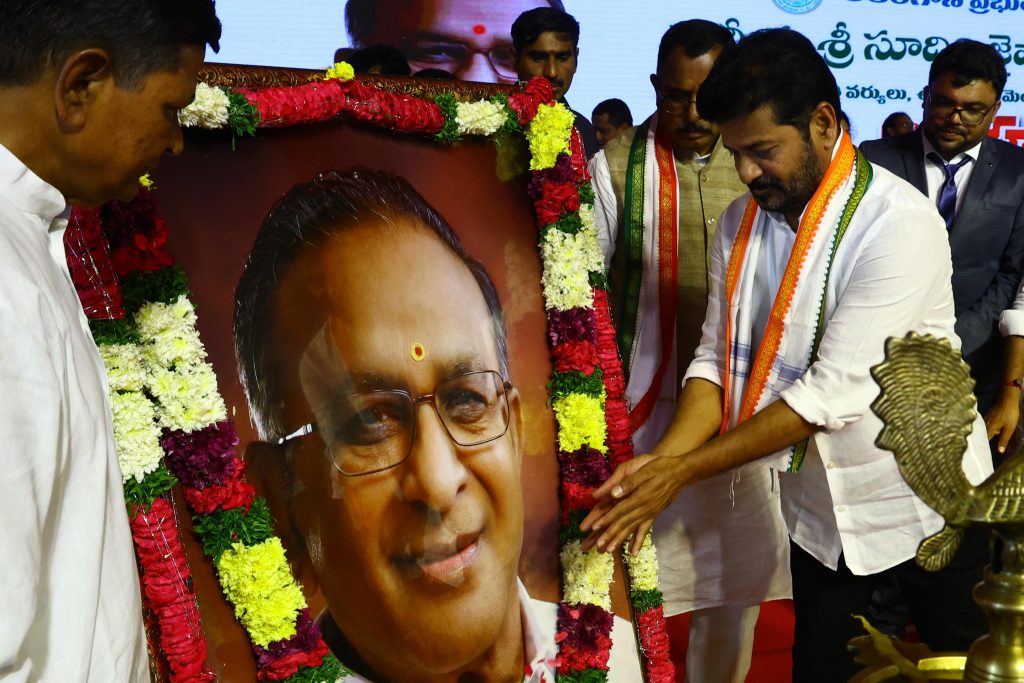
[(468, 38), (378, 60), (545, 42), (611, 118), (658, 270), (89, 98), (977, 184), (897, 123)]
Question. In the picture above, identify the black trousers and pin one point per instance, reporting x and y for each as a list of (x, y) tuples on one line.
[(941, 607)]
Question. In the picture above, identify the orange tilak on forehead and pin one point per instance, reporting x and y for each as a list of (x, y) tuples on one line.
[(418, 352), (479, 29)]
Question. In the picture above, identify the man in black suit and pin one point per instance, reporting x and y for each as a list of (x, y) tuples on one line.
[(977, 183)]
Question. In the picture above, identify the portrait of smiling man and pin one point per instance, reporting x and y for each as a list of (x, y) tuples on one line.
[(468, 38), (376, 368)]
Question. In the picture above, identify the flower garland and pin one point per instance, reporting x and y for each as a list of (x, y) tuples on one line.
[(170, 425), (587, 386)]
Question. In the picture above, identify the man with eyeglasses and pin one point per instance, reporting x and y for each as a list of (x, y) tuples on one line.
[(977, 185), (467, 38), (373, 354), (544, 42), (722, 545)]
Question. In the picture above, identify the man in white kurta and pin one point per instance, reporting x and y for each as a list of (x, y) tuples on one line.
[(809, 276), (69, 608), (88, 103), (722, 547)]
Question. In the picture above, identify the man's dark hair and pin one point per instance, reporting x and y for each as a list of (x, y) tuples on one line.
[(528, 26), (389, 60), (616, 110), (362, 18), (305, 218), (696, 36), (969, 60), (777, 67), (141, 36)]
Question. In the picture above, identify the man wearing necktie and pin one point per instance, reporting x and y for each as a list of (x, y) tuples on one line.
[(977, 185)]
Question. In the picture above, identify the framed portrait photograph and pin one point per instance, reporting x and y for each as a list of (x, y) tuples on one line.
[(416, 389)]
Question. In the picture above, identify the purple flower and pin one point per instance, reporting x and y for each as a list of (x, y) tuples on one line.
[(575, 324), (560, 173), (202, 458), (583, 625), (585, 466), (306, 639), (122, 220)]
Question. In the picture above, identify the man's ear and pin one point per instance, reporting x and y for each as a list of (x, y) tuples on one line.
[(825, 124), (515, 422), (81, 80), (654, 83), (268, 470)]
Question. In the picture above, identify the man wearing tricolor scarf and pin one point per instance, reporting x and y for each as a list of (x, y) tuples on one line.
[(826, 258), (660, 189)]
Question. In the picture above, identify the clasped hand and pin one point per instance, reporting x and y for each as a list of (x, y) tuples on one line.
[(637, 492)]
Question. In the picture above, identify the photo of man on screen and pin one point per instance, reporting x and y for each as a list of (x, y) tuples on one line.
[(373, 354), (468, 38)]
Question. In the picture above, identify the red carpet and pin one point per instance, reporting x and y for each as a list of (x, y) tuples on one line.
[(773, 639)]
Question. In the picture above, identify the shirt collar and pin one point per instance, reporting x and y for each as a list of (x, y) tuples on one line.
[(27, 191), (539, 653), (971, 153)]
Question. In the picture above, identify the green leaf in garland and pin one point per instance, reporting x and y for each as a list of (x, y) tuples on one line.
[(644, 601), (511, 125), (584, 676), (330, 671), (159, 286), (586, 194), (155, 484), (243, 117), (571, 530), (219, 530), (564, 383), (449, 133), (570, 223), (598, 280), (114, 332)]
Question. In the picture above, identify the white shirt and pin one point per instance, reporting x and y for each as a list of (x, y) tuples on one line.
[(849, 496), (540, 623), (935, 173), (1011, 321), (69, 591)]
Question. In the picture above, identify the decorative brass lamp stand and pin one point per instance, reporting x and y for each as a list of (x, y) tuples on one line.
[(927, 408)]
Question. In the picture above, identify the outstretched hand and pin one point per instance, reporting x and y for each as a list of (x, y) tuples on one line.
[(637, 492)]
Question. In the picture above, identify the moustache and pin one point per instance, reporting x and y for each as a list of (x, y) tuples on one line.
[(955, 129), (763, 183), (693, 128)]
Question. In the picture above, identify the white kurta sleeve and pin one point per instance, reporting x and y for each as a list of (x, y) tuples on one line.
[(605, 206), (1011, 321), (887, 294), (30, 418)]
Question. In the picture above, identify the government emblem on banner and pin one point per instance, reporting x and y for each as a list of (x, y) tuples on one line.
[(797, 6)]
